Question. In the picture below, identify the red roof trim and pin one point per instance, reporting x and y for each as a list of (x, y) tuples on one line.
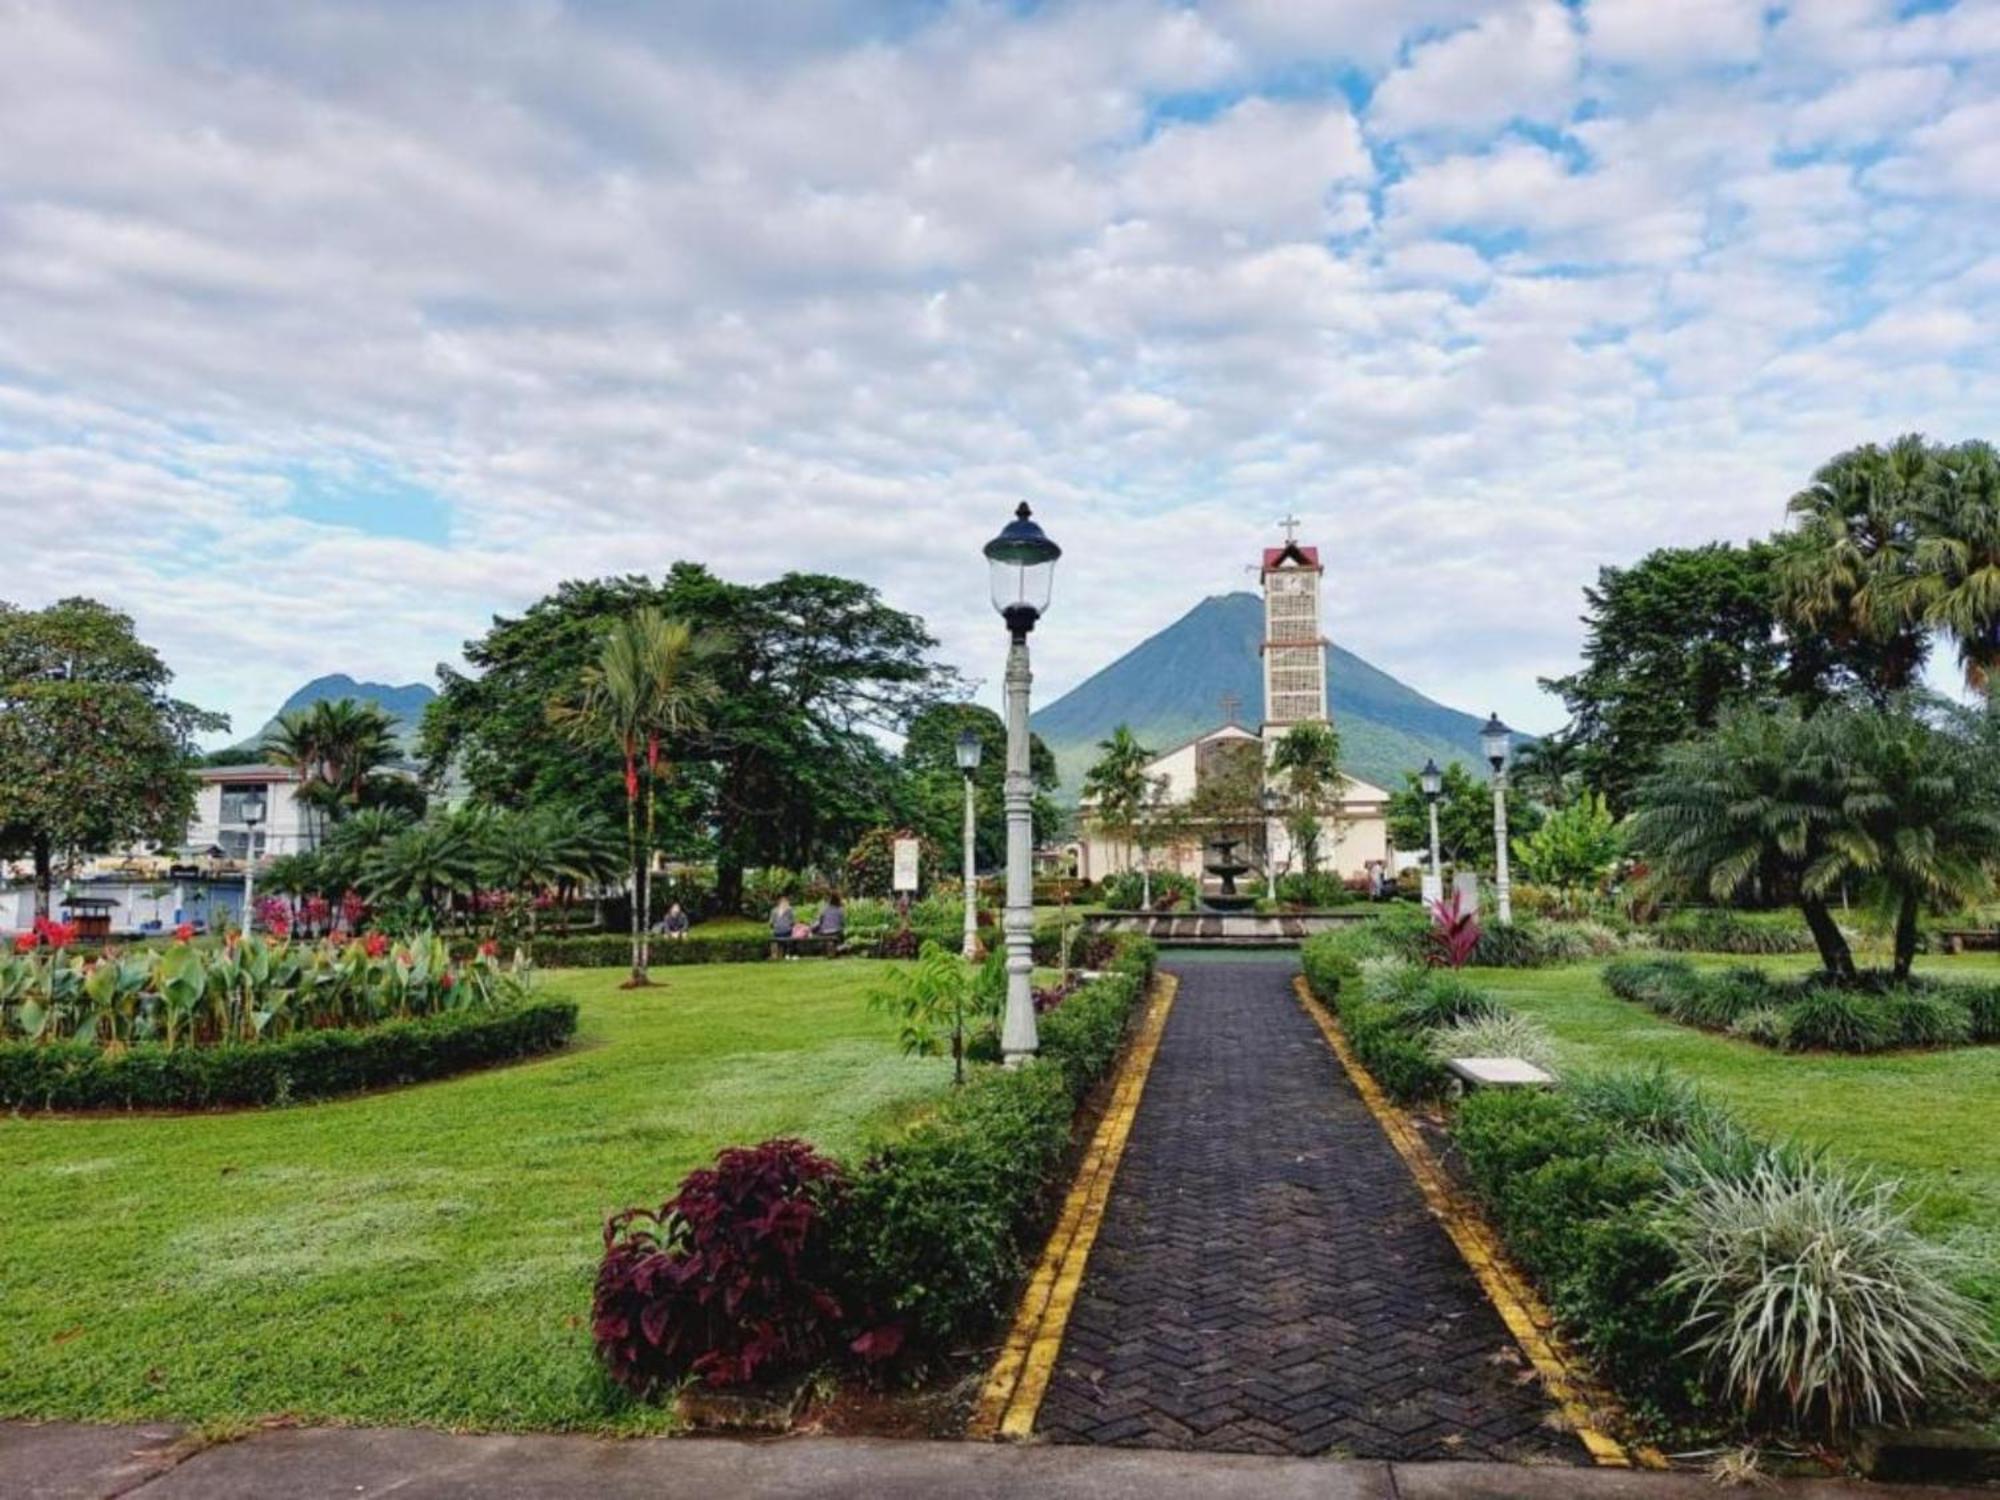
[(1277, 556)]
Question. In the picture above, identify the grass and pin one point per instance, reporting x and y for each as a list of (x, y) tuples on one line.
[(1927, 1118), (425, 1255)]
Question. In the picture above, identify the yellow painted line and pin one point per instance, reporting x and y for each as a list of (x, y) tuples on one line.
[(1020, 1376), (1510, 1292)]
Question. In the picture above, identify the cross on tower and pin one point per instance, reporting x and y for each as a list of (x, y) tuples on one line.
[(1291, 525), (1230, 704)]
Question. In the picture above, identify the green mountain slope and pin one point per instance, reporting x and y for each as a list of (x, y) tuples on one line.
[(404, 704), (1171, 687)]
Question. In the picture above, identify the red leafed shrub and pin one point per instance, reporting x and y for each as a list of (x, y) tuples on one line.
[(1454, 932), (731, 1280)]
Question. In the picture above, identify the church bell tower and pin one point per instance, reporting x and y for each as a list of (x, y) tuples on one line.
[(1294, 648)]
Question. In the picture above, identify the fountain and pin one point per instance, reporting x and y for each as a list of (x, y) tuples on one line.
[(1227, 866)]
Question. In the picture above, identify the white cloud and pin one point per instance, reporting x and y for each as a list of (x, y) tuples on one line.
[(1519, 63), (1263, 168), (1648, 34), (1870, 106)]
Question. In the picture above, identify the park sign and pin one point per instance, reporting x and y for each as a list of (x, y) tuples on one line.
[(905, 878)]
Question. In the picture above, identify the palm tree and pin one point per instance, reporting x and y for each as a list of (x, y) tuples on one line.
[(335, 745), (589, 854), (1116, 785), (344, 857), (1548, 770), (1754, 799), (653, 680), (1954, 583), (1308, 758), (294, 876), (1845, 571), (433, 860)]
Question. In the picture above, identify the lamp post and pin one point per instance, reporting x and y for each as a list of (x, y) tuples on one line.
[(1431, 779), (253, 814), (968, 763), (1022, 563), (1495, 739), (1269, 802)]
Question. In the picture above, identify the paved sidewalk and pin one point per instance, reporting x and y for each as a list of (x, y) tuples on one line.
[(62, 1462), (1268, 1279)]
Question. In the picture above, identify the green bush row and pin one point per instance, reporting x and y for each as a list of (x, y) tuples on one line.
[(1809, 1014), (1720, 930), (303, 1065), (936, 1229)]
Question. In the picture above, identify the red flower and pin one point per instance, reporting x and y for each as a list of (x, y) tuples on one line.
[(489, 949), (26, 943), (184, 933), (55, 934), (375, 944), (447, 979)]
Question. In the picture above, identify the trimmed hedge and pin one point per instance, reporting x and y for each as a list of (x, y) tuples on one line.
[(614, 951), (305, 1065)]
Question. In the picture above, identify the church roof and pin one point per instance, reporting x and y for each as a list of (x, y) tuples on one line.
[(1291, 552)]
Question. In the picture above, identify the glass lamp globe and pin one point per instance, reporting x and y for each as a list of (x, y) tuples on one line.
[(967, 750), (1022, 563), (1431, 779), (1494, 740)]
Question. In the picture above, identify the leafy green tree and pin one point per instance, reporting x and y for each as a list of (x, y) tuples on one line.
[(1306, 763), (937, 787), (1573, 851), (337, 746), (1116, 786), (1753, 803), (1671, 642), (938, 998), (1465, 818), (94, 752), (651, 686)]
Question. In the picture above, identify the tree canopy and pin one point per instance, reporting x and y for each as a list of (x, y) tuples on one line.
[(94, 751), (937, 787)]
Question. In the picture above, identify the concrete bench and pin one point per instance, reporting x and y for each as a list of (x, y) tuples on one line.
[(1499, 1073), (821, 944)]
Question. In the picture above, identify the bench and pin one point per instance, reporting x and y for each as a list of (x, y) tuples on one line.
[(818, 944), (1499, 1073), (1969, 939)]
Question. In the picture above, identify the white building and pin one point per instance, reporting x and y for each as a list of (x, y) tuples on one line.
[(1293, 652), (282, 823)]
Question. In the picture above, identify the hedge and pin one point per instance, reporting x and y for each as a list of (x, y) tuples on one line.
[(305, 1065), (614, 951)]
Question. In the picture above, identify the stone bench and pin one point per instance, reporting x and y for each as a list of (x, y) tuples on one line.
[(1499, 1073)]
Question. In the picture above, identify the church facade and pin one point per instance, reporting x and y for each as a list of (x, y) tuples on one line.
[(1352, 838)]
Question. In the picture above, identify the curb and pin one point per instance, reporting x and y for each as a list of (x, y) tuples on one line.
[(1520, 1307), (1020, 1375)]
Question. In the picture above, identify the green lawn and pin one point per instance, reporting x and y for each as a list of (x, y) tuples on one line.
[(424, 1255), (1931, 1119)]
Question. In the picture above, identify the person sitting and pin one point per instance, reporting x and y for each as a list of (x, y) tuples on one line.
[(675, 924), (783, 920), (832, 919)]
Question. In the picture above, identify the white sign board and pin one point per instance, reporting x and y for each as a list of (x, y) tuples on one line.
[(1466, 883), (1433, 889), (906, 866)]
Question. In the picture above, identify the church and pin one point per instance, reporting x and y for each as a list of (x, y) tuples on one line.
[(1354, 837)]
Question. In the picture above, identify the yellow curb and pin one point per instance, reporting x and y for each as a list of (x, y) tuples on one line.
[(1020, 1376), (1523, 1311)]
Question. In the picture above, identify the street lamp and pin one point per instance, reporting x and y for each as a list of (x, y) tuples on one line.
[(1022, 564), (968, 762), (1269, 802), (1495, 739), (1431, 779), (252, 815)]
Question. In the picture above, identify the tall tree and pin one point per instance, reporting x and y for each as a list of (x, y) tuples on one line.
[(1116, 786), (337, 746), (1954, 582), (651, 684), (94, 751), (1465, 818), (1306, 764), (1671, 642)]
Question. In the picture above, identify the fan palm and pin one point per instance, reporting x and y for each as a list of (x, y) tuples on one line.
[(652, 682), (431, 861), (1954, 583)]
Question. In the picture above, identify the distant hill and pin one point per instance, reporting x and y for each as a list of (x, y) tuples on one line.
[(1169, 688), (404, 704)]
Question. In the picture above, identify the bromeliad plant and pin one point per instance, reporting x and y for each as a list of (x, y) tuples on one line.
[(242, 990)]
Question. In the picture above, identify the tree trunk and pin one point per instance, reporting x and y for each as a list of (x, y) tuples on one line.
[(1906, 934), (638, 887), (1834, 955), (45, 874), (646, 877)]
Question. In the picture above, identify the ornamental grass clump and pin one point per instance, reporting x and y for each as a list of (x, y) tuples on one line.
[(1493, 1035), (1811, 1297)]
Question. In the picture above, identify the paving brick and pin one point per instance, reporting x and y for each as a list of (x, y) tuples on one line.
[(1268, 1277)]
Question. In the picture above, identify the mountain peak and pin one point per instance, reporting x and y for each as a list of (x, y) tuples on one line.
[(1173, 686)]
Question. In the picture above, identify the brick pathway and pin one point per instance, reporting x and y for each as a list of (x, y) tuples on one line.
[(1267, 1278)]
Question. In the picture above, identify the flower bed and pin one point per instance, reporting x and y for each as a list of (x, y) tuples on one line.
[(1809, 1014), (897, 1259), (253, 1021)]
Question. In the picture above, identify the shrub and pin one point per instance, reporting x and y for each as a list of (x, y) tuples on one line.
[(1717, 930), (1442, 999), (1929, 1017), (1313, 892), (1495, 1036), (728, 1280), (1455, 932), (871, 864), (1766, 1025), (1982, 1004), (299, 1066), (1666, 985), (1650, 1104), (1811, 1295), (1839, 1020)]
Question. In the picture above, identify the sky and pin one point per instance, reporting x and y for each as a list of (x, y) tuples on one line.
[(329, 330)]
